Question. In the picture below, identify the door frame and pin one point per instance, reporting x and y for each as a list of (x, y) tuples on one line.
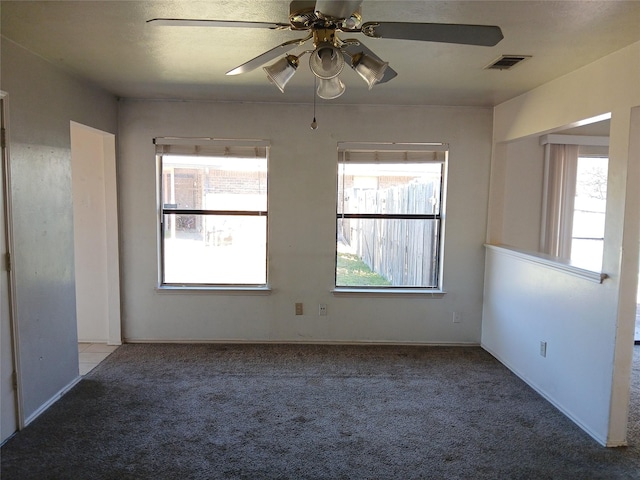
[(8, 237)]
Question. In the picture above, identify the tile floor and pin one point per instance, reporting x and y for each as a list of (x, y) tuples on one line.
[(91, 354)]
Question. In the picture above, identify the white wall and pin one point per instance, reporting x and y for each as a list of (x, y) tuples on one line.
[(43, 102), (302, 188), (523, 194), (588, 326)]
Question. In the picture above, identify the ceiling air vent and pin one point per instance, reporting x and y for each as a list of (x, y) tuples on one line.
[(506, 62)]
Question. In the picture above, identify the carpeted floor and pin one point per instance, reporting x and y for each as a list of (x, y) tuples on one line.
[(310, 412)]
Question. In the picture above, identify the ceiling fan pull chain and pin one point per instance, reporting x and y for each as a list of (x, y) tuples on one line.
[(314, 124)]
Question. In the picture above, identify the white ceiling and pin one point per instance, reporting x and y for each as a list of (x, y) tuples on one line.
[(109, 43)]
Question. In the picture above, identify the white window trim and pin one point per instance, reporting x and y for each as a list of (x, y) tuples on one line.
[(438, 148), (387, 292), (202, 146), (582, 140)]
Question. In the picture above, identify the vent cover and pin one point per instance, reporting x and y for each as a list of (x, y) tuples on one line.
[(506, 62)]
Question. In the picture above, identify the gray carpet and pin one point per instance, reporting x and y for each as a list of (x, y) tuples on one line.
[(310, 412)]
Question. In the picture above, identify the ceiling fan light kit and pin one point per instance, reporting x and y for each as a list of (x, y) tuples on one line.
[(326, 61), (324, 19), (282, 71), (369, 68), (331, 88)]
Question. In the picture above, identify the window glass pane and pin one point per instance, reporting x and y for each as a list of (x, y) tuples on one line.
[(389, 188), (214, 183), (387, 252), (215, 249), (589, 212)]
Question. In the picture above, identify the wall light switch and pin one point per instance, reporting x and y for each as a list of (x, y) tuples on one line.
[(299, 309)]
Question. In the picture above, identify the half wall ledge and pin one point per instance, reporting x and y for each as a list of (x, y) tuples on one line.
[(549, 261)]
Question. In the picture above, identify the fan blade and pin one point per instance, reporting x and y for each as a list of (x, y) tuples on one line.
[(352, 50), (337, 8), (184, 22), (485, 35), (263, 58)]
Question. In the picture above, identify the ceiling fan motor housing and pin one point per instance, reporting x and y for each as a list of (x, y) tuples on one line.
[(304, 14)]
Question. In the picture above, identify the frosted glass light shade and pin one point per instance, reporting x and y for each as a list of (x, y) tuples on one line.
[(281, 72), (326, 61), (370, 69), (331, 88)]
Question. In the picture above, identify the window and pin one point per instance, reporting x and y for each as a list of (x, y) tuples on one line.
[(213, 212), (390, 216), (575, 202), (590, 202)]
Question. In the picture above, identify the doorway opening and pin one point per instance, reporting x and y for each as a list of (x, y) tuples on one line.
[(95, 219)]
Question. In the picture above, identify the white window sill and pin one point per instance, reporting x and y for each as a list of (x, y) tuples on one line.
[(231, 290), (386, 292), (550, 262)]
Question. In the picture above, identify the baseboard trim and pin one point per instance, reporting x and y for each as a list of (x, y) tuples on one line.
[(8, 438), (303, 342), (51, 401)]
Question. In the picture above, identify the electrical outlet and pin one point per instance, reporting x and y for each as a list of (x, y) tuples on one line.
[(543, 349), (322, 309), (299, 309), (457, 317)]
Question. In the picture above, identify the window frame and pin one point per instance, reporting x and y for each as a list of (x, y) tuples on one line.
[(440, 153), (206, 147), (603, 157), (559, 191)]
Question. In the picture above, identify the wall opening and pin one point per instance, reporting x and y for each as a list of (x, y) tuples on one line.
[(95, 235)]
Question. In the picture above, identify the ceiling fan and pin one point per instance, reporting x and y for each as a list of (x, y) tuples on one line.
[(324, 20)]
